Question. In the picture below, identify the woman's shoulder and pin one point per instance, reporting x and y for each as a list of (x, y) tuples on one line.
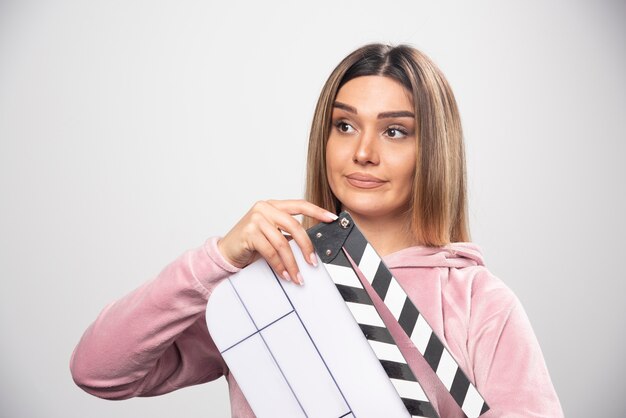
[(460, 270)]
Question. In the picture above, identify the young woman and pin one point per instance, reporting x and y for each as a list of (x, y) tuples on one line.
[(386, 145)]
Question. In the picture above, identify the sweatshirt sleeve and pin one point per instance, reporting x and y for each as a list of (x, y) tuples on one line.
[(508, 364), (155, 340)]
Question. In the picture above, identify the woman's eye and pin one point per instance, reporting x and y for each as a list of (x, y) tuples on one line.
[(344, 127), (395, 133)]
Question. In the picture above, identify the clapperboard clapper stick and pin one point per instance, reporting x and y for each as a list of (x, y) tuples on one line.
[(297, 351), (346, 239)]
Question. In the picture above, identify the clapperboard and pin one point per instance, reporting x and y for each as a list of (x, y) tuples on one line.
[(310, 351)]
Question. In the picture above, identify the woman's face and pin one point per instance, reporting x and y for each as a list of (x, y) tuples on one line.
[(371, 149)]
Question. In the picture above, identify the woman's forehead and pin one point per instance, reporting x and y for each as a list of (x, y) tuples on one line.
[(374, 94)]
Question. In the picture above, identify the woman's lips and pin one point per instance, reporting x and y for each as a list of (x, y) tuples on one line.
[(364, 181)]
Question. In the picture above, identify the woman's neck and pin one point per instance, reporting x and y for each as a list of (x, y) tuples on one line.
[(386, 234)]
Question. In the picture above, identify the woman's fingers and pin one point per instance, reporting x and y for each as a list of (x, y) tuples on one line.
[(279, 212), (271, 256), (286, 266), (303, 207), (294, 228), (298, 233), (261, 231)]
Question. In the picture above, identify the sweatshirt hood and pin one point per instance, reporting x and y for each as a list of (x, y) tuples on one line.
[(454, 255)]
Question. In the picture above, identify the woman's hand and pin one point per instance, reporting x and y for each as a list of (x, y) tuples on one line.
[(261, 231)]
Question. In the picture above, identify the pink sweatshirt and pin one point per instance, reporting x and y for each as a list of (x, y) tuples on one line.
[(155, 340)]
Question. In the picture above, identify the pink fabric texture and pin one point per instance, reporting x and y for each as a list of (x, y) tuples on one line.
[(155, 340)]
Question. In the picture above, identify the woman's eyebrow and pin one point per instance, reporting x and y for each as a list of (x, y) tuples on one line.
[(345, 107), (383, 115), (398, 114)]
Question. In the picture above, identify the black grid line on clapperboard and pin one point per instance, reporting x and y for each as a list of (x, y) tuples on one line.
[(258, 331)]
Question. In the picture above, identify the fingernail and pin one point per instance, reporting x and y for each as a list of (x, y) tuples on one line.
[(286, 276), (332, 216), (313, 259), (300, 279)]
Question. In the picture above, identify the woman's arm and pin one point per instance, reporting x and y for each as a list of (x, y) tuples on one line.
[(155, 340), (508, 364)]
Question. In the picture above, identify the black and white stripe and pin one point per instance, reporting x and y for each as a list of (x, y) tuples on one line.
[(385, 348), (413, 323)]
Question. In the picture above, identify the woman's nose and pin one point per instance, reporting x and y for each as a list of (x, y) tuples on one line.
[(366, 151)]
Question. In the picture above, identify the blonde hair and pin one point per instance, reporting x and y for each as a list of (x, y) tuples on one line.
[(439, 200)]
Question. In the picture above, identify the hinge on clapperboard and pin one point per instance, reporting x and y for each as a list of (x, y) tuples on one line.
[(328, 239)]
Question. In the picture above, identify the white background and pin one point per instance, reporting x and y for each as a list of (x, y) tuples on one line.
[(133, 130)]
